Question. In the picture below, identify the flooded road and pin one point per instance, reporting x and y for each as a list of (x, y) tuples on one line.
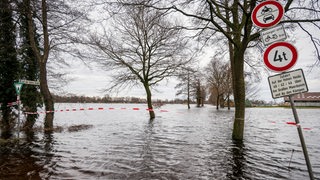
[(121, 143)]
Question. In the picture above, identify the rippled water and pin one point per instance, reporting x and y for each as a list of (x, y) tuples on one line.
[(178, 144)]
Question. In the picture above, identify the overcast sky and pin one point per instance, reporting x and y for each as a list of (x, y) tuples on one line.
[(91, 81)]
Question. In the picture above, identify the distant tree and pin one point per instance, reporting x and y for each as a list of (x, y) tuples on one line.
[(9, 65), (199, 92), (219, 80), (143, 48), (185, 77)]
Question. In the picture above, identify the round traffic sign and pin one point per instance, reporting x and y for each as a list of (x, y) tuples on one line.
[(280, 56), (267, 14)]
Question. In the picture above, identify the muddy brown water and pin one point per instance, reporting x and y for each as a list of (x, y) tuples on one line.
[(121, 143)]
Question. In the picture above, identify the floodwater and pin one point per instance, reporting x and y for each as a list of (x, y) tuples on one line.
[(121, 143)]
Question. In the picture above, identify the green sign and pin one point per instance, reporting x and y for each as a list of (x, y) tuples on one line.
[(18, 86)]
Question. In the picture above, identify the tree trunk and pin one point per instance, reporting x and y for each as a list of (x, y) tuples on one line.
[(217, 101), (239, 92), (188, 89), (149, 101), (228, 102), (47, 98), (222, 101), (42, 61), (30, 121)]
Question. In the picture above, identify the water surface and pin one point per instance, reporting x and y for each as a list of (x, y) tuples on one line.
[(179, 144)]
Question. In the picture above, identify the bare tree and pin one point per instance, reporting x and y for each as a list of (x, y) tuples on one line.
[(54, 21), (142, 47), (200, 92), (185, 77), (218, 80)]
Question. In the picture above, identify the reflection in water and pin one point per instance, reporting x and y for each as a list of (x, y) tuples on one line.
[(146, 155), (18, 161), (5, 133), (238, 160), (46, 154)]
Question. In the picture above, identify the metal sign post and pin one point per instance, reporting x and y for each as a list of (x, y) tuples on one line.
[(280, 57), (303, 144), (18, 86)]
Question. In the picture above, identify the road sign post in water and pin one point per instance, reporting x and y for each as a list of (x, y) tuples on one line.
[(303, 144), (18, 86), (288, 84), (280, 57)]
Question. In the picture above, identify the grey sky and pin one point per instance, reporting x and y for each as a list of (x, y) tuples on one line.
[(90, 82)]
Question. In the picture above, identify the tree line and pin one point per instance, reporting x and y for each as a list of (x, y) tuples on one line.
[(108, 99), (143, 42)]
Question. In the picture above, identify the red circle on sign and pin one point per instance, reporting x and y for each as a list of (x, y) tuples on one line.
[(292, 61), (275, 21)]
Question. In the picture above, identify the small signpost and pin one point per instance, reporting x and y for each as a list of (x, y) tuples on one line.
[(30, 82), (273, 34), (280, 57), (18, 87)]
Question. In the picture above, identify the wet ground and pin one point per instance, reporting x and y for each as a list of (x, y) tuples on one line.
[(119, 142)]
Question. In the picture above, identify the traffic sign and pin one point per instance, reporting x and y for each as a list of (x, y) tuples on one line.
[(267, 14), (18, 86), (30, 82), (273, 34), (288, 83), (280, 56)]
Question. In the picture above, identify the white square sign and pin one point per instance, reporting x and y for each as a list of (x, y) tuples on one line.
[(287, 83), (272, 35)]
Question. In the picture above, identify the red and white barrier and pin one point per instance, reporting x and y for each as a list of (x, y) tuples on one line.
[(91, 109)]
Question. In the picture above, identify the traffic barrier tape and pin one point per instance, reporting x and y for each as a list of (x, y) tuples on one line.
[(10, 104), (291, 123), (295, 124), (91, 109)]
